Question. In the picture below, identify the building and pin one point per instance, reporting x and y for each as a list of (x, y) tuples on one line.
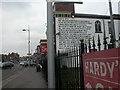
[(70, 27), (0, 57), (64, 9), (4, 58), (43, 48), (14, 57)]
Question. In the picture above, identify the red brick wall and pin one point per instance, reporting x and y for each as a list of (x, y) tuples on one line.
[(69, 7)]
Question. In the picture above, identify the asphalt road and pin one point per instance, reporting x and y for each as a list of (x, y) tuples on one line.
[(9, 72), (6, 73), (26, 78), (0, 74)]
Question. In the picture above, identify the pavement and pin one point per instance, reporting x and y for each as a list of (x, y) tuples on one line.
[(26, 78)]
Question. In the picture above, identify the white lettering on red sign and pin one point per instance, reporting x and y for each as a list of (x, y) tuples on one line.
[(101, 68), (97, 87)]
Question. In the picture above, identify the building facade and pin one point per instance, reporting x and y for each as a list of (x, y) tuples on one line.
[(70, 27)]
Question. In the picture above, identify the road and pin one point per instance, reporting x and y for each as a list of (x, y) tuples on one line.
[(21, 77), (8, 72), (26, 78), (0, 79)]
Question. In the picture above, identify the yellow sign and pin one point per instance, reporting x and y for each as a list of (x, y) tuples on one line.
[(29, 54)]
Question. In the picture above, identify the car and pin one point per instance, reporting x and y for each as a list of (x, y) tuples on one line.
[(5, 65), (11, 64), (24, 63), (1, 64)]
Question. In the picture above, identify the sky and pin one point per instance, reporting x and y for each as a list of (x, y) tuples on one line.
[(16, 15)]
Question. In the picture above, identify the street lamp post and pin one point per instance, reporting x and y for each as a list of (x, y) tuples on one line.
[(28, 30), (113, 37)]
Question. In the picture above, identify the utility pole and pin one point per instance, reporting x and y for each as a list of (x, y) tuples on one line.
[(113, 38), (50, 43)]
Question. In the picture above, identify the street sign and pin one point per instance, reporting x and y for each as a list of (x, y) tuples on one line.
[(29, 54)]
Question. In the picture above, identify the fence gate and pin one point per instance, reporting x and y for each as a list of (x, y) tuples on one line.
[(69, 69)]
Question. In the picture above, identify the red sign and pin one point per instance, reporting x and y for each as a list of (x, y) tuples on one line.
[(102, 69), (43, 48)]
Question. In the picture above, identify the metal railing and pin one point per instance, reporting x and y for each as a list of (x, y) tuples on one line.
[(69, 64)]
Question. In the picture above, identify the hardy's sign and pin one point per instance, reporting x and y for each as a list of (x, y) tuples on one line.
[(102, 69)]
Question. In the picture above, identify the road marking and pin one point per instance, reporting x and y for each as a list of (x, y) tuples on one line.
[(6, 81)]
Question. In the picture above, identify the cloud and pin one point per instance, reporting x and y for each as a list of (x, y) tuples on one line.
[(18, 14), (22, 0), (15, 17), (93, 7)]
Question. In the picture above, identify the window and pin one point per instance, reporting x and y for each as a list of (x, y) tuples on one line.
[(98, 27)]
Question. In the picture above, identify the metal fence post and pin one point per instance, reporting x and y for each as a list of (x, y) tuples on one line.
[(81, 64)]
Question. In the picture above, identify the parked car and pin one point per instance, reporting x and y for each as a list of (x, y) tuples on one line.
[(24, 63), (1, 64), (5, 65), (11, 63)]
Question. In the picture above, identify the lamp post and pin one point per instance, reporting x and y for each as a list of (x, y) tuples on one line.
[(113, 38), (28, 30), (50, 41)]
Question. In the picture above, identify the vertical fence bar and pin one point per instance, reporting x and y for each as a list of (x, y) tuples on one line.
[(81, 65), (104, 39), (75, 69), (89, 46), (99, 44), (59, 69), (93, 44), (85, 48)]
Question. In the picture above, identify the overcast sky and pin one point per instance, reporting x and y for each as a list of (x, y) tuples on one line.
[(18, 14)]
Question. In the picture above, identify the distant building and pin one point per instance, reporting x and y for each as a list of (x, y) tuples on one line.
[(41, 51), (43, 48), (64, 9), (13, 56), (0, 57), (4, 57)]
